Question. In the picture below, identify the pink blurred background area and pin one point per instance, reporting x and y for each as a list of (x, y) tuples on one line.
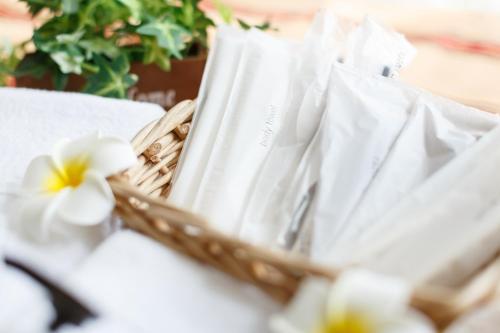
[(458, 42)]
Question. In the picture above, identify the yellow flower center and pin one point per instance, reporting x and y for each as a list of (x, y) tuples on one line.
[(346, 323), (72, 174)]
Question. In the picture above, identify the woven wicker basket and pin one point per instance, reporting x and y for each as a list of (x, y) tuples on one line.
[(141, 194)]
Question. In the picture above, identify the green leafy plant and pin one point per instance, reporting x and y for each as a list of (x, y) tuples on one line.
[(99, 39), (9, 58)]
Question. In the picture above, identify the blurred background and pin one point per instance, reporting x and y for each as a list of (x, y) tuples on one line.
[(458, 42)]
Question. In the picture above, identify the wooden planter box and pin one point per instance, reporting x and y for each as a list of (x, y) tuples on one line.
[(154, 85)]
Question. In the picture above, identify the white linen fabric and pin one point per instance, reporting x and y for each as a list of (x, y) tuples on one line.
[(135, 278), (101, 325), (25, 307), (31, 122)]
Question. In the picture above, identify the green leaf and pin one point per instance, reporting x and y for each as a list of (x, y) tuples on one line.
[(170, 36), (266, 26), (68, 63), (113, 78), (60, 80), (81, 36), (9, 58), (134, 6), (155, 54), (244, 25), (263, 26), (99, 46), (70, 6), (70, 38), (97, 15), (187, 14), (225, 12)]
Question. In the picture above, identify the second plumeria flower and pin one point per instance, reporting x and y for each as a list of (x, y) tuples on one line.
[(69, 185), (357, 302)]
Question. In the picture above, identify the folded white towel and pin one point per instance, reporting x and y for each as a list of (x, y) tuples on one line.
[(135, 278), (101, 325), (31, 122), (25, 305)]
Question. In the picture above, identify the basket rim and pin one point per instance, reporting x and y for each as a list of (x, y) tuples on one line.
[(441, 304)]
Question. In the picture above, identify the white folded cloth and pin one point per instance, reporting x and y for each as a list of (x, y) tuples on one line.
[(137, 279), (25, 307), (31, 122), (100, 325)]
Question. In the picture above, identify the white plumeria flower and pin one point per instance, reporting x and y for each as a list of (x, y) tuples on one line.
[(70, 186), (357, 302)]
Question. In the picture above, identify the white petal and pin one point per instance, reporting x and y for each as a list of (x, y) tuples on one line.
[(306, 311), (371, 295), (412, 322), (68, 149), (38, 172), (111, 155), (88, 204), (36, 213)]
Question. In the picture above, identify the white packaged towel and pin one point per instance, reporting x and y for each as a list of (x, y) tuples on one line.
[(354, 138), (370, 152), (369, 47), (247, 129), (438, 130), (445, 229), (215, 90), (304, 108), (373, 49)]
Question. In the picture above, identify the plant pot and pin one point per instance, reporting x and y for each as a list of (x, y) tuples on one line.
[(154, 85)]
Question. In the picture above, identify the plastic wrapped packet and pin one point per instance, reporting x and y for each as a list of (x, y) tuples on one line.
[(373, 49), (305, 106), (437, 131), (247, 129), (356, 133), (323, 45), (215, 90), (445, 229)]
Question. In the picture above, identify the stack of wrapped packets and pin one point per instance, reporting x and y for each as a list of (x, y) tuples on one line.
[(316, 147)]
